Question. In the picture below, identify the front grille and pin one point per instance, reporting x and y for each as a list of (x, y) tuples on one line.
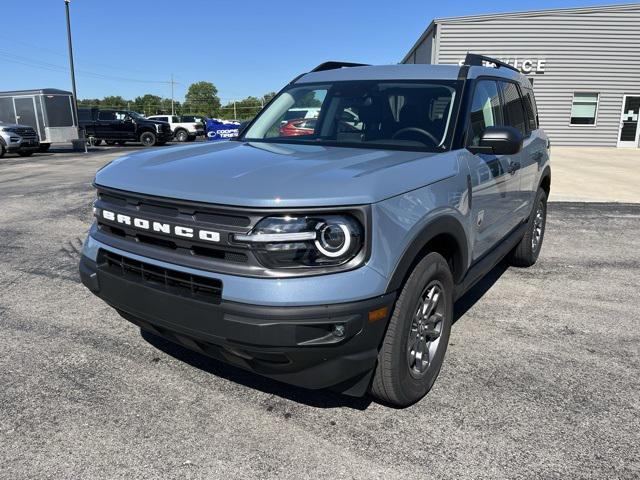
[(171, 281), (26, 132), (196, 216)]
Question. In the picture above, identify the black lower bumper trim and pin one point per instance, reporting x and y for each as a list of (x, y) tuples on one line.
[(296, 345)]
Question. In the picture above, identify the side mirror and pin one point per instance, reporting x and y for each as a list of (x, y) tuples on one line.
[(499, 141)]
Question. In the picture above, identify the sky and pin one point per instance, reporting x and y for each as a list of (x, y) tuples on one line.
[(248, 47)]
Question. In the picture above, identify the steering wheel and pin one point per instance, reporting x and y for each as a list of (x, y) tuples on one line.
[(416, 130)]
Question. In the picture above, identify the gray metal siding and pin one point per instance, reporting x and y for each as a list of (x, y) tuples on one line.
[(587, 50)]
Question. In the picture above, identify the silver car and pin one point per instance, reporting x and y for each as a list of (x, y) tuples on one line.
[(20, 139)]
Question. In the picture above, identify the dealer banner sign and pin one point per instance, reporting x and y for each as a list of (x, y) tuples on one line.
[(220, 130)]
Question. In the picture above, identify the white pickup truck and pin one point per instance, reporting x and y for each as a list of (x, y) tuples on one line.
[(182, 131)]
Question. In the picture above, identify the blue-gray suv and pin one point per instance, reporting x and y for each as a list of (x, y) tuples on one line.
[(327, 251)]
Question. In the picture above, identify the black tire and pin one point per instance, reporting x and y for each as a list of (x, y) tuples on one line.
[(25, 154), (44, 147), (191, 138), (148, 139), (3, 150), (398, 379), (110, 142), (181, 135), (526, 252), (121, 142), (97, 142)]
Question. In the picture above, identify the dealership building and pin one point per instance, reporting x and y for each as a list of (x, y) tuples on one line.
[(584, 64)]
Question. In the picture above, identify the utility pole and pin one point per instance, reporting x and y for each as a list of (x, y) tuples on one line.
[(235, 115), (172, 109), (73, 74)]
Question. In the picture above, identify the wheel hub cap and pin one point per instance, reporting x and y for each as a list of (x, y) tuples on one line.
[(426, 327), (538, 227)]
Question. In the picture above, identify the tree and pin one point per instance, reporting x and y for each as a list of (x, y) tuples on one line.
[(147, 104), (113, 101), (202, 98)]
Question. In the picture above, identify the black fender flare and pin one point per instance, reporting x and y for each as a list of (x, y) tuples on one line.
[(546, 173), (443, 225)]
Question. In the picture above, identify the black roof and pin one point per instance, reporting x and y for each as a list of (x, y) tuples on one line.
[(44, 91)]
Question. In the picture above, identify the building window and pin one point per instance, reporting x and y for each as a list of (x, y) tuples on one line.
[(584, 109)]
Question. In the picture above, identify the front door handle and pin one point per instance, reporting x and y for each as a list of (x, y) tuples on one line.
[(514, 167)]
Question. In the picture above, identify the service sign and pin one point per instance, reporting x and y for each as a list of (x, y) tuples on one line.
[(524, 65)]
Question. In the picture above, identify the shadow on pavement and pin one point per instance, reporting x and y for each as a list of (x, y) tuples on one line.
[(314, 398)]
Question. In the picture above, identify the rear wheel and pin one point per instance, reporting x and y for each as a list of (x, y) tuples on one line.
[(110, 142), (25, 154), (417, 336), (148, 139), (97, 141), (2, 150), (526, 252), (121, 142)]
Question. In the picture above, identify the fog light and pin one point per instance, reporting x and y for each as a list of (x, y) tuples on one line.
[(338, 330)]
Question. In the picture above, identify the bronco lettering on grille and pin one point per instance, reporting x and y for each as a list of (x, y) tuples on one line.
[(144, 224)]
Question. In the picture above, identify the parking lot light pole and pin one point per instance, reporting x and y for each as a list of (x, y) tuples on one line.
[(73, 74)]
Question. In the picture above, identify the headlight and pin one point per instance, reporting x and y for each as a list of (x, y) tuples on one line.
[(10, 129), (305, 241)]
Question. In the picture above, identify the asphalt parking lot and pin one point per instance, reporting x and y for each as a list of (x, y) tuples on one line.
[(541, 378)]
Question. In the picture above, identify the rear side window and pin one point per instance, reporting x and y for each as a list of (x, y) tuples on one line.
[(530, 108), (514, 110), (485, 110), (106, 115)]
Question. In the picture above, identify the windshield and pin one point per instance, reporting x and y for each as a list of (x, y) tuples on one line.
[(137, 116), (404, 115)]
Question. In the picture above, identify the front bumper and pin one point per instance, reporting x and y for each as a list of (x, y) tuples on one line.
[(23, 145), (164, 136), (293, 344)]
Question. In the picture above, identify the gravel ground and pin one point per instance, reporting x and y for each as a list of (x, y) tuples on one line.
[(541, 378)]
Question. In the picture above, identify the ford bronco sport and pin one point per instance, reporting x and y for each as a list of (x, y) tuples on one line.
[(330, 259)]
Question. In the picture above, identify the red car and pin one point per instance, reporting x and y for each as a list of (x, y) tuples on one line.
[(298, 127)]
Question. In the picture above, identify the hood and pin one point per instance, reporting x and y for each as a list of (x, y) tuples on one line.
[(276, 175)]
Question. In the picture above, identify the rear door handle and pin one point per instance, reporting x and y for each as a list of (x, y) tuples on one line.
[(514, 167)]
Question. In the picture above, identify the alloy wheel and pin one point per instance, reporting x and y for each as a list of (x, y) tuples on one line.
[(426, 327), (538, 227)]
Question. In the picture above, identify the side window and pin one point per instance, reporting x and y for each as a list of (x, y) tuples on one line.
[(514, 110), (530, 107), (485, 110), (106, 115), (175, 120)]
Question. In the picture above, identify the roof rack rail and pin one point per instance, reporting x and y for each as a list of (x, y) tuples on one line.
[(335, 65), (475, 60)]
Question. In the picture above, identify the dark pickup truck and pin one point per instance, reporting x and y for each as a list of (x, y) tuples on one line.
[(120, 126)]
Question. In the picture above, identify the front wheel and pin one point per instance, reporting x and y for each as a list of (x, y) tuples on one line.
[(44, 147), (182, 136), (148, 139), (417, 336), (526, 252)]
